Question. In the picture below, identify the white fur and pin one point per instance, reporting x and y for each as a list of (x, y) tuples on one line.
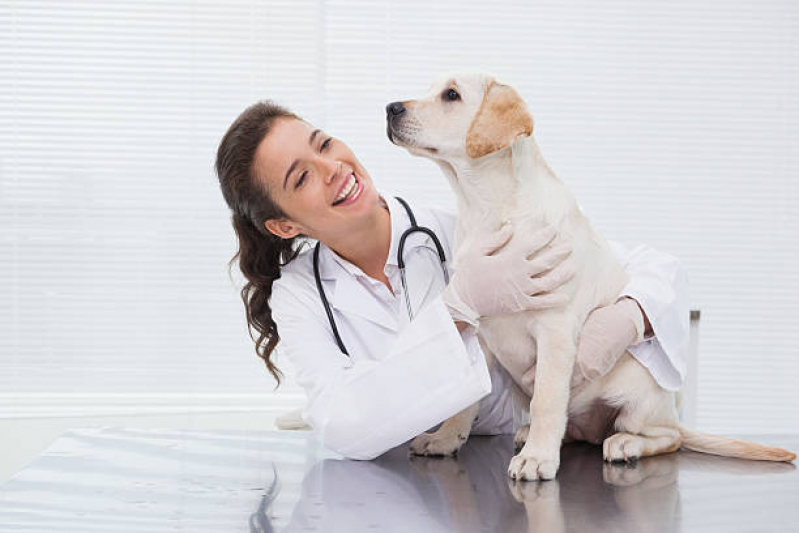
[(515, 183)]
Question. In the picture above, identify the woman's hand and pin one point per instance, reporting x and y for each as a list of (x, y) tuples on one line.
[(498, 274), (605, 336)]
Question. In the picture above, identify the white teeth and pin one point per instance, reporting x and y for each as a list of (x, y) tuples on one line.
[(348, 189)]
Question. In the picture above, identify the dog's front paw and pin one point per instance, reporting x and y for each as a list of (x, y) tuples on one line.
[(534, 465), (437, 443)]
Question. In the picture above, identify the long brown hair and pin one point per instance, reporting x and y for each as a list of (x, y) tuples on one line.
[(261, 253)]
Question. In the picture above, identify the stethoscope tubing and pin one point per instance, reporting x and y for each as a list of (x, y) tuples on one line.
[(400, 263)]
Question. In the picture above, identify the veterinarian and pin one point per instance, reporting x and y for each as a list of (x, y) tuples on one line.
[(373, 376)]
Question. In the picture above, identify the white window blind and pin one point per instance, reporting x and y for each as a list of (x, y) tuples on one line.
[(115, 235), (675, 125)]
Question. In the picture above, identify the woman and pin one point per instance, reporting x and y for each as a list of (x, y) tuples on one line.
[(286, 181)]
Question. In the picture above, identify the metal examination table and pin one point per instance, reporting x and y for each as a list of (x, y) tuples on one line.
[(151, 480)]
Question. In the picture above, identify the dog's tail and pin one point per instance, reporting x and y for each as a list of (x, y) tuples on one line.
[(706, 443)]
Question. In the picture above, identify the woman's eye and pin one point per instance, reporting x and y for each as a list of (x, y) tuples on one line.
[(299, 181), (451, 95), (327, 142)]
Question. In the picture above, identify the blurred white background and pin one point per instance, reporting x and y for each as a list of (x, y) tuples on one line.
[(675, 124)]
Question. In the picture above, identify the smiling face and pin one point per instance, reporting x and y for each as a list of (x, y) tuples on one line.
[(464, 116), (316, 180)]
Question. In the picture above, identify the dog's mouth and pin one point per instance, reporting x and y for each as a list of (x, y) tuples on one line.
[(397, 138), (390, 134)]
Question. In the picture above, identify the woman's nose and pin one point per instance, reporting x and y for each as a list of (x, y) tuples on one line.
[(333, 172)]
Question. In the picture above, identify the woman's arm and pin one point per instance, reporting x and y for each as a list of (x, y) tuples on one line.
[(659, 284), (656, 294), (658, 291), (461, 326), (647, 325), (434, 368), (364, 408)]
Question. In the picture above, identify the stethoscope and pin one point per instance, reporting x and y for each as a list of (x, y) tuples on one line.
[(400, 262)]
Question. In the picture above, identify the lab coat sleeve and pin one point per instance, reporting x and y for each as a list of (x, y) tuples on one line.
[(362, 409), (659, 283)]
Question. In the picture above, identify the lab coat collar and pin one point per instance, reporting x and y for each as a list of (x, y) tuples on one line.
[(331, 264), (340, 277)]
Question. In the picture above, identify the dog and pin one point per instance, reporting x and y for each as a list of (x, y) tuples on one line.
[(479, 132)]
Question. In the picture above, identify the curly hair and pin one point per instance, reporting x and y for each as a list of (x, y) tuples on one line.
[(261, 254)]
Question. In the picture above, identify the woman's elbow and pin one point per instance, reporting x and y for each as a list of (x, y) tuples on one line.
[(348, 442), (346, 433)]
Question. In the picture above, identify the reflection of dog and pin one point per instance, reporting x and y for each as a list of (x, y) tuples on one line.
[(640, 496), (480, 133)]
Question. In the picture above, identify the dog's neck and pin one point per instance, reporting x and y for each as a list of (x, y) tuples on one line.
[(488, 188)]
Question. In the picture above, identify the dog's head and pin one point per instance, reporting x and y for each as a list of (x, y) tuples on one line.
[(464, 116)]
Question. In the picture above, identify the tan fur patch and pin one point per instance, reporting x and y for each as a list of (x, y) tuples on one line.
[(501, 119)]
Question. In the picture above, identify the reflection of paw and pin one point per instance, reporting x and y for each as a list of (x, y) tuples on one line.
[(650, 473), (536, 465), (440, 467), (541, 505), (622, 475), (531, 492), (521, 437), (437, 444), (622, 447)]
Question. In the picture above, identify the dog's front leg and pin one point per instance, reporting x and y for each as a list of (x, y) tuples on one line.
[(539, 458), (449, 438)]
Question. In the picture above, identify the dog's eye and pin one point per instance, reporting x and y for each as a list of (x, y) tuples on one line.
[(451, 95)]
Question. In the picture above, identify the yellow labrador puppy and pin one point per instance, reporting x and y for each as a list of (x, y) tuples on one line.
[(479, 132)]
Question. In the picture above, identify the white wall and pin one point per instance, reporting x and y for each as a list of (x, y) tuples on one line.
[(674, 124)]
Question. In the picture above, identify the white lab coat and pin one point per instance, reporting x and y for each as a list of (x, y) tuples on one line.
[(399, 371)]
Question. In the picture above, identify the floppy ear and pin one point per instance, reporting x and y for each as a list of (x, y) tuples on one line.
[(501, 119)]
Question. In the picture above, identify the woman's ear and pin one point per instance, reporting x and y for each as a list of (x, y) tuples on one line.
[(283, 228)]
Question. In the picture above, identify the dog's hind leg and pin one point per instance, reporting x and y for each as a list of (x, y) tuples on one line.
[(650, 441), (647, 423), (448, 438)]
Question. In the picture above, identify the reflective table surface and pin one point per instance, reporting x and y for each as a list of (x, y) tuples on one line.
[(114, 479)]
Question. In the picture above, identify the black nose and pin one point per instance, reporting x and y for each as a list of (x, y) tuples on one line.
[(394, 109)]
